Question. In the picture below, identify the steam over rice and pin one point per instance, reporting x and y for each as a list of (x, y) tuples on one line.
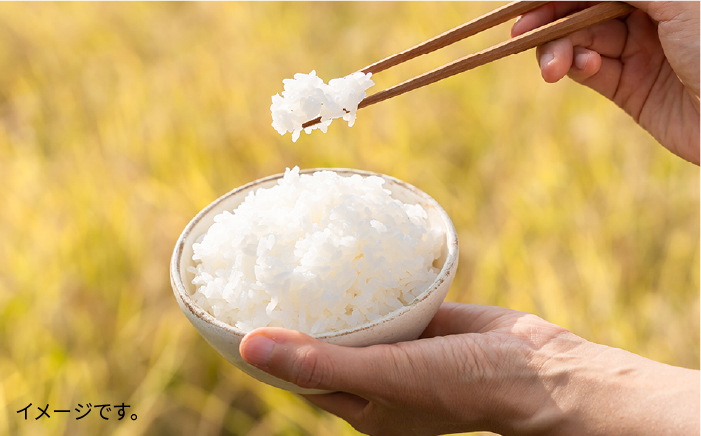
[(315, 253), (307, 97)]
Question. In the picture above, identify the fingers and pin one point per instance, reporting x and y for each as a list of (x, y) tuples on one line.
[(457, 318), (386, 389), (585, 64), (379, 372), (364, 416), (344, 405), (309, 363), (579, 55), (555, 59), (533, 20), (544, 15), (297, 358), (560, 58)]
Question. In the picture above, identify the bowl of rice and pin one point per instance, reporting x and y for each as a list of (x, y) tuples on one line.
[(346, 256)]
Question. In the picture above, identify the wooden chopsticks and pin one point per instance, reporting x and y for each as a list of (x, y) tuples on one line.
[(565, 26), (473, 27)]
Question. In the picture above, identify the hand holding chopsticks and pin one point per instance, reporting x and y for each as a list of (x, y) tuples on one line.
[(552, 31)]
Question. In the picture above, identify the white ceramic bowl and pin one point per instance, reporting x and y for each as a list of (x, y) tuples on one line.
[(403, 324)]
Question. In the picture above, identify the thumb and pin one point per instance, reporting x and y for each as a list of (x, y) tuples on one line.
[(313, 364)]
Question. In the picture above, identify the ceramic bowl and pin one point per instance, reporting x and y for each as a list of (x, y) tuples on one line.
[(404, 324)]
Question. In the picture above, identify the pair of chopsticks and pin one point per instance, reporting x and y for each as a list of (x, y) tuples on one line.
[(565, 26)]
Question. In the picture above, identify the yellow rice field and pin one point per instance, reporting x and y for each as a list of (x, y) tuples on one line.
[(120, 121)]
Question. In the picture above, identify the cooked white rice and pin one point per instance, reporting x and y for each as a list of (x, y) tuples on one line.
[(307, 97), (315, 253)]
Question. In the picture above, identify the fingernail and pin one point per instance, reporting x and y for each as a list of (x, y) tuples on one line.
[(580, 60), (545, 59), (258, 350)]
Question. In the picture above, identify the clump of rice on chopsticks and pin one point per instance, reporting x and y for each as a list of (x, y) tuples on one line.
[(307, 97)]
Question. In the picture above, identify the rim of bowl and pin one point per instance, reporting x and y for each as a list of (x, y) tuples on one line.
[(445, 272)]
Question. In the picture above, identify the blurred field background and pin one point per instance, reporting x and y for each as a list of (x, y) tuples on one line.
[(120, 121)]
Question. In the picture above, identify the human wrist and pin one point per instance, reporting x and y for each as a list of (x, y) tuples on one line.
[(543, 408), (520, 401), (599, 390), (571, 371)]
